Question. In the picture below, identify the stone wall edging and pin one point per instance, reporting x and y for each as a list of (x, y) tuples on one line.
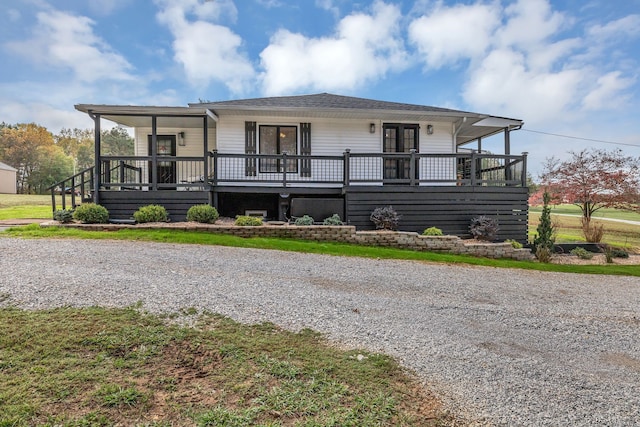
[(333, 233)]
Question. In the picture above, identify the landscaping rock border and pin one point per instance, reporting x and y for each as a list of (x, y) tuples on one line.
[(338, 234)]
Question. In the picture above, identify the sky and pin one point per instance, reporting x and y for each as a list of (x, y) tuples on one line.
[(565, 67)]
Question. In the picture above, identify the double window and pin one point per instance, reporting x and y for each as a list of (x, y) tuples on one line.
[(276, 140)]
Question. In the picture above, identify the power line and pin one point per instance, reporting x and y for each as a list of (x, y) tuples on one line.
[(580, 138)]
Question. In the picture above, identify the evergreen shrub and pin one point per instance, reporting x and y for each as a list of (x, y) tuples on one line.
[(91, 213)]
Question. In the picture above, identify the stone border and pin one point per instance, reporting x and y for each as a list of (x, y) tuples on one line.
[(334, 233)]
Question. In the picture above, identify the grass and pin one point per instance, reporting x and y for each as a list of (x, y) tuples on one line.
[(604, 213), (101, 367), (338, 249), (18, 206), (570, 230)]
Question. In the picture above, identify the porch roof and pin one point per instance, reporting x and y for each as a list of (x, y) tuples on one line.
[(139, 116)]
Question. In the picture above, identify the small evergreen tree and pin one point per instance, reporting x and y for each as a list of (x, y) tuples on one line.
[(545, 233)]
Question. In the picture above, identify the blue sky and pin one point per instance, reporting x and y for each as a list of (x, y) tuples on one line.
[(568, 67)]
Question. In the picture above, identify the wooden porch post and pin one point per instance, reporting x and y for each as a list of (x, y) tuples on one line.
[(507, 141), (97, 159), (154, 153), (507, 152), (345, 166), (205, 140)]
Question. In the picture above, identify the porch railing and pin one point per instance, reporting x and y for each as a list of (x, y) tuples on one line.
[(283, 170), (78, 188)]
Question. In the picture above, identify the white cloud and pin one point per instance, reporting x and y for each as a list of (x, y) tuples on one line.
[(64, 40), (503, 84), (451, 34), (207, 51), (602, 96), (529, 23), (519, 61), (627, 26), (364, 48), (329, 6)]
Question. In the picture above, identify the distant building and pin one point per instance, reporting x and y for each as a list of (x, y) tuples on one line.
[(7, 179)]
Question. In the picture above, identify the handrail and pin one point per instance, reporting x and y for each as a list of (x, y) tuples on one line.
[(74, 184)]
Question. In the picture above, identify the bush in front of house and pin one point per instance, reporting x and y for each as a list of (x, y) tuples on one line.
[(64, 216), (204, 214), (581, 253), (248, 221), (484, 228), (91, 213), (620, 253), (151, 213), (432, 231), (333, 220), (385, 218), (514, 243), (304, 220)]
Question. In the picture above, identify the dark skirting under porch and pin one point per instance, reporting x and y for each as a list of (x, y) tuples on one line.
[(448, 208), (122, 204)]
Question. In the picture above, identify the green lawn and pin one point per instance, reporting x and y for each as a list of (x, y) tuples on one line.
[(101, 367), (19, 206), (570, 230), (338, 249), (567, 209)]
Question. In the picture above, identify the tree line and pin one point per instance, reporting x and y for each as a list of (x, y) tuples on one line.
[(43, 158)]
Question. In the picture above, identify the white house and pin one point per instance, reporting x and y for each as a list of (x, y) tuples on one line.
[(313, 154)]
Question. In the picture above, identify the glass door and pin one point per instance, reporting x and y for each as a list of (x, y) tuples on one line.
[(165, 169), (399, 138)]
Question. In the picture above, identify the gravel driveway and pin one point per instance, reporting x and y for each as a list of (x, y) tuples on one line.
[(502, 347)]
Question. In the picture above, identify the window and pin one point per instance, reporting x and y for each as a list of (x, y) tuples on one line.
[(275, 140)]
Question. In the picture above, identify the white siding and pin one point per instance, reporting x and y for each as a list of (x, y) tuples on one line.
[(441, 142), (329, 137), (193, 147)]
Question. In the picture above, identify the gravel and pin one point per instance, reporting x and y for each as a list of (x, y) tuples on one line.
[(499, 346)]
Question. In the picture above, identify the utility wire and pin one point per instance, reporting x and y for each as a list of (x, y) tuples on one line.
[(583, 139)]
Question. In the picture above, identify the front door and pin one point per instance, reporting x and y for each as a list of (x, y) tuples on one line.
[(165, 170), (399, 138)]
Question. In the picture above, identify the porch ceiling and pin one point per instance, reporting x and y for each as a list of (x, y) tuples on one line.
[(139, 116)]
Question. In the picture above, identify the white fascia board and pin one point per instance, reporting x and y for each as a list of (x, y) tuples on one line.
[(498, 122)]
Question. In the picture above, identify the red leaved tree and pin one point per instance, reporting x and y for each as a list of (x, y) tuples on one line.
[(595, 179)]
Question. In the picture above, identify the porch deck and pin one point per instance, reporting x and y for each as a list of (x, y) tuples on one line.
[(443, 190)]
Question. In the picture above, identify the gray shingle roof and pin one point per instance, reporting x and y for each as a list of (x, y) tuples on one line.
[(323, 101)]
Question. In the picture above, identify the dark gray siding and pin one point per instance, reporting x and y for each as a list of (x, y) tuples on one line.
[(122, 204), (448, 208)]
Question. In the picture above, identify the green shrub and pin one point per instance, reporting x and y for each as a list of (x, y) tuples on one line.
[(151, 213), (90, 213), (432, 231), (620, 253), (333, 220), (304, 220), (514, 243), (248, 221), (204, 214), (543, 254), (484, 228), (64, 216), (581, 253), (385, 218), (546, 231)]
